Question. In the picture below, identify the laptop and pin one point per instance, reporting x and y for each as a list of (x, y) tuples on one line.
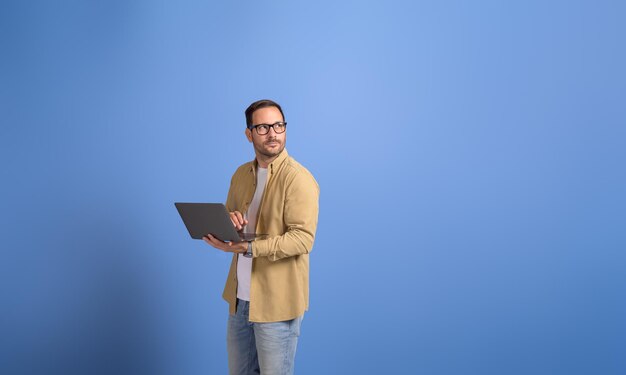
[(204, 218)]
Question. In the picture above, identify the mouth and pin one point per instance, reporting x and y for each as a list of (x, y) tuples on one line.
[(272, 144)]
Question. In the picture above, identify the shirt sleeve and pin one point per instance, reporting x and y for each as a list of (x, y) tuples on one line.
[(300, 215), (230, 199)]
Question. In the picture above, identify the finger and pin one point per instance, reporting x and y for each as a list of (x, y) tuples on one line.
[(216, 243), (235, 220), (240, 217), (208, 240)]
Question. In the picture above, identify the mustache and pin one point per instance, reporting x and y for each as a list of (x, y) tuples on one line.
[(272, 140)]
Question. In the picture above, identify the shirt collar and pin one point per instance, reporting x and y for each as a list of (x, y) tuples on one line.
[(273, 166)]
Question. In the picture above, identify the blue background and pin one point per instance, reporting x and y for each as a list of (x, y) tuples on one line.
[(470, 157)]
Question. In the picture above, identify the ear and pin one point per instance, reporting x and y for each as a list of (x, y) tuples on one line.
[(249, 135)]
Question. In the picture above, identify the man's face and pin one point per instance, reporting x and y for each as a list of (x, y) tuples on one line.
[(270, 144)]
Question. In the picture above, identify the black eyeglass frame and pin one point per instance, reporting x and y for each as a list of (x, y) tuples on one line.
[(284, 123)]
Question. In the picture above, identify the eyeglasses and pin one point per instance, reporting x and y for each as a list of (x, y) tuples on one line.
[(262, 129)]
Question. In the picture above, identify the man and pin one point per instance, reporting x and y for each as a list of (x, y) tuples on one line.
[(268, 284)]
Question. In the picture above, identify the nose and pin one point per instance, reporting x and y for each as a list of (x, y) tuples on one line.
[(271, 130)]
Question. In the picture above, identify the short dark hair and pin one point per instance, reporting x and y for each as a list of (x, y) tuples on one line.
[(263, 103)]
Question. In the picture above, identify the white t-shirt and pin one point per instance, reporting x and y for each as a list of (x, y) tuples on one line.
[(244, 264)]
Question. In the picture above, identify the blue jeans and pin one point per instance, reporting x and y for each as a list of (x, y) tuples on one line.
[(261, 348)]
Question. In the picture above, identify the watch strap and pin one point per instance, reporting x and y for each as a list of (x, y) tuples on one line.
[(248, 254)]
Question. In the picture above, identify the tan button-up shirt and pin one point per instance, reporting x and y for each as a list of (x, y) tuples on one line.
[(279, 283)]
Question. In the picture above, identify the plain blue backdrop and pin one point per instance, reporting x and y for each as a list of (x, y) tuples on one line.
[(470, 157)]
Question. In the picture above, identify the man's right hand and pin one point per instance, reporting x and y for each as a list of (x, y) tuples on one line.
[(238, 220)]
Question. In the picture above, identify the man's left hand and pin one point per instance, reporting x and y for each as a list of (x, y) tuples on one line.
[(228, 247)]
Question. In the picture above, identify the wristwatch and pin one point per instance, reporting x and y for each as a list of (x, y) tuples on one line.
[(248, 254)]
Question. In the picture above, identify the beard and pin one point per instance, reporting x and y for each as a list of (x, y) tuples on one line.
[(270, 152)]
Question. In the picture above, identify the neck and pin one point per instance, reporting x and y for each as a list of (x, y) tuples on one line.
[(264, 161)]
